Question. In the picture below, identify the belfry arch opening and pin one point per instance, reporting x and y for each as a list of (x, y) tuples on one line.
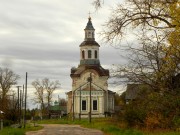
[(89, 54), (95, 54), (83, 54)]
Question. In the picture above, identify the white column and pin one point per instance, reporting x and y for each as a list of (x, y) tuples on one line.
[(101, 105), (93, 53), (113, 103), (98, 54), (107, 102), (86, 53)]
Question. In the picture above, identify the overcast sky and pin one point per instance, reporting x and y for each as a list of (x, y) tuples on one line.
[(42, 37)]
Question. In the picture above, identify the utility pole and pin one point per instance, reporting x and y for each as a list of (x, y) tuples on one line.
[(80, 103), (90, 81), (25, 100), (23, 106), (18, 104), (1, 120), (13, 104), (73, 105), (20, 107)]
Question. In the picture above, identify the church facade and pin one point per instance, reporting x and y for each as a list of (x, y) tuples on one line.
[(90, 94)]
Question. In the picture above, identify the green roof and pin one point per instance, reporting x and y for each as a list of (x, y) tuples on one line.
[(58, 108), (55, 108)]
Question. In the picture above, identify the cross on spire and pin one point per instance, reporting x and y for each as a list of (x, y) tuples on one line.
[(89, 15)]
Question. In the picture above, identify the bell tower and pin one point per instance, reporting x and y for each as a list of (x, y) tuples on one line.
[(80, 101), (89, 48)]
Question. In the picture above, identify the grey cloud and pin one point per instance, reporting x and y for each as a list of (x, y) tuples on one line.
[(42, 52), (42, 37)]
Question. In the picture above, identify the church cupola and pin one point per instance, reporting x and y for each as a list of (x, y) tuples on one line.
[(89, 31), (89, 48)]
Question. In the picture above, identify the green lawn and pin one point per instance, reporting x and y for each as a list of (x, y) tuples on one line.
[(19, 131)]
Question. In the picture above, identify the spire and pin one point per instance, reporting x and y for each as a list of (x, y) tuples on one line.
[(89, 31), (89, 25)]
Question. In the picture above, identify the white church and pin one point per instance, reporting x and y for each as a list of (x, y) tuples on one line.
[(89, 81)]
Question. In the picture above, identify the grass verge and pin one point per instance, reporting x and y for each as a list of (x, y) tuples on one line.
[(19, 131)]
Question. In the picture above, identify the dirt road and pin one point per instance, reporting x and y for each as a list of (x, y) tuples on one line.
[(57, 129)]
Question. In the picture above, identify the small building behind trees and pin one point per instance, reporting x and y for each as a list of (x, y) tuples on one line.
[(58, 109), (134, 91)]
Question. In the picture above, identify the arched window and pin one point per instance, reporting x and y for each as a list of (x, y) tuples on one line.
[(95, 54), (83, 55), (89, 34), (89, 54)]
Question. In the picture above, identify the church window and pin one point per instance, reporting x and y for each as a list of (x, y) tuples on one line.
[(95, 54), (95, 105), (89, 54), (83, 54), (89, 34), (83, 105)]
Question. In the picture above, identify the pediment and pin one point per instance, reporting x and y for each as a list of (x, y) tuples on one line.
[(86, 87)]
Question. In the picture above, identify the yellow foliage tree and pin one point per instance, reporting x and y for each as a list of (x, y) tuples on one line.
[(172, 58)]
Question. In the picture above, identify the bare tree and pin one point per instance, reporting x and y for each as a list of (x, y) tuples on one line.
[(158, 77), (148, 64), (98, 3), (39, 93), (44, 91), (62, 101), (50, 87), (156, 22), (7, 79), (154, 60), (152, 14)]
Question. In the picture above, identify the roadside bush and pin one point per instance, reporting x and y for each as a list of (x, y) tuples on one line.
[(153, 120), (28, 116), (7, 123), (11, 115), (134, 115), (156, 110), (176, 122)]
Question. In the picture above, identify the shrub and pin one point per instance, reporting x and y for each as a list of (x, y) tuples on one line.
[(153, 120), (134, 115), (7, 123), (176, 122)]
